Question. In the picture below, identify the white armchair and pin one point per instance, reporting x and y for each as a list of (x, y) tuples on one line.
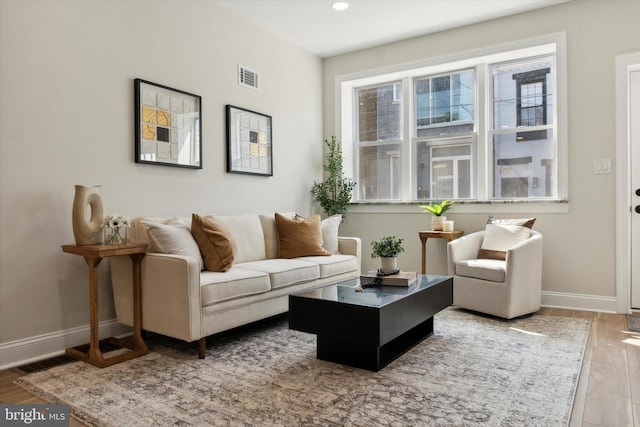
[(506, 288)]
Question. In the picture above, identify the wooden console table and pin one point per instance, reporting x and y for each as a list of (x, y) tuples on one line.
[(424, 235), (93, 255)]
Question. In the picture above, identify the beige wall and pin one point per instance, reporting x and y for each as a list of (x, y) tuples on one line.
[(66, 118), (579, 258)]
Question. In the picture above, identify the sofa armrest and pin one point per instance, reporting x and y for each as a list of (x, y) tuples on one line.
[(171, 302), (466, 247), (351, 246)]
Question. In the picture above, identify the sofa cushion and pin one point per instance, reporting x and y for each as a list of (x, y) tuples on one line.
[(215, 243), (247, 234), (284, 272), (268, 222), (334, 264), (485, 269), (216, 287), (299, 237), (172, 238), (499, 238)]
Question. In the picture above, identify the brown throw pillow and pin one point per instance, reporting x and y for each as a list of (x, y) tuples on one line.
[(215, 243), (302, 237)]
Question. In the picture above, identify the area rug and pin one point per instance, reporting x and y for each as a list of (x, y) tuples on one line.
[(473, 370)]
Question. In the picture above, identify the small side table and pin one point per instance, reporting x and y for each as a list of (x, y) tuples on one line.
[(93, 255), (424, 235)]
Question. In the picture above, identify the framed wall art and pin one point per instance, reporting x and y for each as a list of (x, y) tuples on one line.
[(168, 126), (249, 143)]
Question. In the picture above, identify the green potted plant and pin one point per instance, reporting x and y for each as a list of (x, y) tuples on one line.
[(387, 248), (334, 193), (438, 209)]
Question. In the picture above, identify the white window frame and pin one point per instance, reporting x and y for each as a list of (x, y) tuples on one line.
[(480, 60)]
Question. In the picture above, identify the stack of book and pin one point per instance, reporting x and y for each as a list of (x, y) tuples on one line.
[(402, 278)]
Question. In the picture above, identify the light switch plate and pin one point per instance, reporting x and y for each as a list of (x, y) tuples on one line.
[(601, 166)]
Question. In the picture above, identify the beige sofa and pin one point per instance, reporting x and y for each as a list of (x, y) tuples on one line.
[(182, 300)]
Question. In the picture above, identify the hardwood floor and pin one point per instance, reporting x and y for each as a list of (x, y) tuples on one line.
[(608, 392)]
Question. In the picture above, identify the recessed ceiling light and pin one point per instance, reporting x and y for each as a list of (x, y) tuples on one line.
[(340, 5)]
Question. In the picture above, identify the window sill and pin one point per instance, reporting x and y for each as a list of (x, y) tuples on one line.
[(467, 207)]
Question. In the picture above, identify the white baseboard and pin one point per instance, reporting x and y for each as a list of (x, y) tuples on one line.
[(580, 302), (33, 349)]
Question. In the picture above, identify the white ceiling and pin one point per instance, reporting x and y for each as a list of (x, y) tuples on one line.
[(317, 28)]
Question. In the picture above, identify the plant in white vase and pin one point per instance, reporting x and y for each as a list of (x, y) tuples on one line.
[(438, 209), (387, 248)]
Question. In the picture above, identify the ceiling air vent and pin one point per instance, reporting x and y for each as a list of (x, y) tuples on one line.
[(248, 78)]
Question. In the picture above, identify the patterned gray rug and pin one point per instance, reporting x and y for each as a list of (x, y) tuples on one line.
[(473, 370)]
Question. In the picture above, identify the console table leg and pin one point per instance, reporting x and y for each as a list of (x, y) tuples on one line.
[(137, 294), (424, 254), (94, 344)]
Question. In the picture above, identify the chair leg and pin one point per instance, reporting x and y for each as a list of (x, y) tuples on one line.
[(202, 347)]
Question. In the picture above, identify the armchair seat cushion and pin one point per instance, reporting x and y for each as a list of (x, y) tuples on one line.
[(485, 269)]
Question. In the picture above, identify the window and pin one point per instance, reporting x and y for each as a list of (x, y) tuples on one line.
[(379, 141), (444, 104), (522, 135), (478, 128), (444, 108)]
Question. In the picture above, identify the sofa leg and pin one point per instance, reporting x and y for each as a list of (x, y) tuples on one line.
[(202, 347)]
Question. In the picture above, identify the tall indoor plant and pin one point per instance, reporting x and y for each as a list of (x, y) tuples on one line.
[(334, 193)]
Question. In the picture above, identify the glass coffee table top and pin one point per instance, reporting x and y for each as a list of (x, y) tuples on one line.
[(376, 296)]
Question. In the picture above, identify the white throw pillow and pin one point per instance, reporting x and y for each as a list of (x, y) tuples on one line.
[(500, 237), (173, 238), (330, 233)]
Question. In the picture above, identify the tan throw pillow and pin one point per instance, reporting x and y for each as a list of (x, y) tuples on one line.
[(524, 222), (297, 238), (329, 227), (500, 237), (216, 245)]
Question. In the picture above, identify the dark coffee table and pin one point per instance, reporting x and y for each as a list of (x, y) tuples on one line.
[(369, 329)]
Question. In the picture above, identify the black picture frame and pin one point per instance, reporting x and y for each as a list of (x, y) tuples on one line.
[(249, 142), (168, 126)]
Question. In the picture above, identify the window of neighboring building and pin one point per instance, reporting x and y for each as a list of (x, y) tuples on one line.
[(480, 128), (531, 102)]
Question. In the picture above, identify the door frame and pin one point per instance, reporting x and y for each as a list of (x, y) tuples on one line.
[(624, 65)]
